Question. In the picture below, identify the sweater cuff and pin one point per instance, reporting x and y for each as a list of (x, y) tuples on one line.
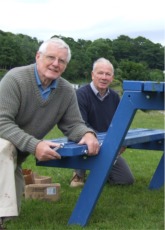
[(32, 145), (92, 132)]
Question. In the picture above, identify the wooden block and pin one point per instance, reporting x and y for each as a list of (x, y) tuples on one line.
[(48, 192), (28, 176), (42, 179)]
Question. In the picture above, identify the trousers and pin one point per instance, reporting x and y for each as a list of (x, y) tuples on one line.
[(11, 180), (120, 173)]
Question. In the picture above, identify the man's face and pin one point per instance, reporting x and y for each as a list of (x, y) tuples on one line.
[(52, 63), (102, 76)]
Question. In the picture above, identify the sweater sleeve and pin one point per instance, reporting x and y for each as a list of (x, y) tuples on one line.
[(9, 108), (72, 124)]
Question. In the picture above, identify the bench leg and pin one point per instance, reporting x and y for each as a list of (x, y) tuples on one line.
[(102, 164), (158, 179), (91, 191)]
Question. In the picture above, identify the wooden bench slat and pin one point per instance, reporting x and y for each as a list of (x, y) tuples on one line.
[(144, 86), (134, 136)]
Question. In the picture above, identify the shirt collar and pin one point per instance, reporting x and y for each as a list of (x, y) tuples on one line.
[(96, 92), (53, 84)]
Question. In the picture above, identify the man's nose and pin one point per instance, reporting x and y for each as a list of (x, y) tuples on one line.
[(104, 75), (55, 61)]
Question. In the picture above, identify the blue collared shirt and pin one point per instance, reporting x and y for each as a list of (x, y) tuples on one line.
[(44, 92)]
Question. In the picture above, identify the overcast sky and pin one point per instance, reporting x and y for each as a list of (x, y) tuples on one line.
[(85, 19)]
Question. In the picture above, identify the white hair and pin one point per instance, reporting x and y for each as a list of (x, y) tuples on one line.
[(59, 42), (102, 60)]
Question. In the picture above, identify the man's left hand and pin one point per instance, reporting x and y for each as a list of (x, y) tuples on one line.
[(91, 141)]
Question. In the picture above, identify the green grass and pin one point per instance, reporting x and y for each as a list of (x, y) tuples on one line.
[(118, 208)]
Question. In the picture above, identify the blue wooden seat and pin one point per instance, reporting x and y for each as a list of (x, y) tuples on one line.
[(137, 95), (134, 139)]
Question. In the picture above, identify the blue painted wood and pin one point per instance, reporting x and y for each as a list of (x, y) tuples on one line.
[(137, 95), (133, 138), (156, 87), (109, 150), (144, 86), (158, 178)]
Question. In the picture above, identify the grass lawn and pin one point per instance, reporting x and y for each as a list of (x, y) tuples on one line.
[(118, 208)]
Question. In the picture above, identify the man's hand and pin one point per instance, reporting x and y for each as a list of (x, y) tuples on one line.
[(91, 141), (45, 151)]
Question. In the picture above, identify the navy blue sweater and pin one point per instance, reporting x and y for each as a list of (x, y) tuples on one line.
[(96, 113)]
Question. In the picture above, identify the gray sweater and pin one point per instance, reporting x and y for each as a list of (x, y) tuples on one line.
[(25, 118)]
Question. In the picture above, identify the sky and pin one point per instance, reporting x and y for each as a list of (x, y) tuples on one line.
[(84, 19)]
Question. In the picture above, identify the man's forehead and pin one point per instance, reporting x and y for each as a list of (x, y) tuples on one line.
[(54, 49), (103, 66)]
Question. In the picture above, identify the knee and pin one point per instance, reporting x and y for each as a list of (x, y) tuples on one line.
[(7, 150), (126, 179), (130, 180)]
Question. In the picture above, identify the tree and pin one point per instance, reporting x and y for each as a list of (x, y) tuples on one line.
[(133, 71), (134, 59), (146, 51), (157, 75), (16, 50), (100, 48), (122, 48)]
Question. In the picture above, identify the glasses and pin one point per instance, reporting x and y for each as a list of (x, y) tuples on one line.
[(51, 59)]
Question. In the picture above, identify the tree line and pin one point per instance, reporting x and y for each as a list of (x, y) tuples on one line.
[(133, 59)]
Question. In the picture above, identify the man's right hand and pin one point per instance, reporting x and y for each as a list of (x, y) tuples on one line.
[(44, 151)]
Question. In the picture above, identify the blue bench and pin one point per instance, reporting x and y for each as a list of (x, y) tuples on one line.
[(137, 95)]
